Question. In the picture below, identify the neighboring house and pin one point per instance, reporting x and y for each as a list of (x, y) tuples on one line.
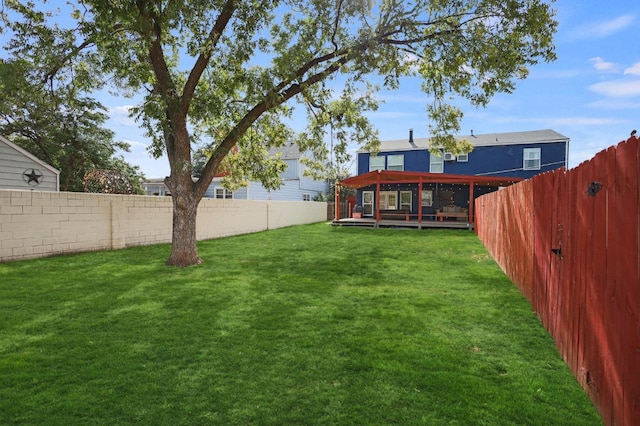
[(405, 180), (155, 187), (516, 154), (19, 169), (295, 186)]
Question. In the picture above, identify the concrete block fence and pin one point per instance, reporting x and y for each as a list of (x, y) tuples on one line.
[(37, 224)]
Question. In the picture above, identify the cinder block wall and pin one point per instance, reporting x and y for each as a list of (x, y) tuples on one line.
[(37, 224)]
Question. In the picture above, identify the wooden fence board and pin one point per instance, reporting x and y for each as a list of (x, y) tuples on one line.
[(568, 309), (634, 386), (543, 223), (573, 267), (611, 317), (627, 273), (583, 237), (527, 232), (519, 253), (614, 307), (555, 278), (592, 373)]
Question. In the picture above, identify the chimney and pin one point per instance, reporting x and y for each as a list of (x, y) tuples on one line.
[(411, 138)]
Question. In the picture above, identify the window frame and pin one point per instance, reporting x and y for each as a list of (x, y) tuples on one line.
[(432, 163), (373, 167), (368, 207), (403, 203), (292, 172), (427, 198), (531, 154), (385, 197), (391, 164), (225, 194)]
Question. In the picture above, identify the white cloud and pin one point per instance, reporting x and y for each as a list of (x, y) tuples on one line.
[(411, 60), (618, 104), (392, 114), (139, 156), (605, 28), (617, 88), (120, 115), (566, 73), (550, 122), (136, 144), (583, 121), (121, 109), (633, 70), (603, 66)]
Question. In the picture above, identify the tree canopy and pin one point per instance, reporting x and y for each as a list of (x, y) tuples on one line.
[(228, 73), (62, 127)]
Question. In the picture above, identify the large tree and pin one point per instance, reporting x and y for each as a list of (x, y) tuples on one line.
[(229, 72)]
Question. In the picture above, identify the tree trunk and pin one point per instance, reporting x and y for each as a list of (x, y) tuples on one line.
[(184, 251)]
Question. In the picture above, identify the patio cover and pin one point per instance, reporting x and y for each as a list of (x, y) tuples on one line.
[(378, 177), (392, 176)]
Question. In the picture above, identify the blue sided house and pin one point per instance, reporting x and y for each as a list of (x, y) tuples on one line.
[(405, 181)]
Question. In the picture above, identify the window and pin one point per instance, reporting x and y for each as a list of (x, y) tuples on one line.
[(427, 198), (463, 158), (395, 162), (222, 193), (436, 165), (405, 200), (388, 200), (367, 203), (306, 197), (531, 159), (291, 172), (376, 163)]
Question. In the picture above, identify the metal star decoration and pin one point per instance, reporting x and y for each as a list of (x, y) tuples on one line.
[(32, 177)]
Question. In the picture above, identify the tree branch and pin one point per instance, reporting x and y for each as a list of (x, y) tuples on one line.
[(49, 75), (205, 56), (164, 83), (270, 101), (336, 25)]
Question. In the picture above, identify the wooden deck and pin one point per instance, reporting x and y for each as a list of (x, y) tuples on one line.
[(372, 223)]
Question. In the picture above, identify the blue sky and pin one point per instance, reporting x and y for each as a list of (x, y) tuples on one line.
[(590, 94)]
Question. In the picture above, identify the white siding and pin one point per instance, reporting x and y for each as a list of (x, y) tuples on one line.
[(294, 188), (291, 190), (15, 162), (239, 194)]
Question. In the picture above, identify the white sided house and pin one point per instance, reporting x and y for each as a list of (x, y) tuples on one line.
[(295, 185), (22, 170)]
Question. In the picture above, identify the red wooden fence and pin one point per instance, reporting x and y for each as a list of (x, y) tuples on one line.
[(569, 240)]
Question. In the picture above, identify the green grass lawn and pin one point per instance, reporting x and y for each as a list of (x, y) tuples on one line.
[(303, 325)]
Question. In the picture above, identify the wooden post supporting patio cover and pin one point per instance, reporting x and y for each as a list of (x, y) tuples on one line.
[(337, 202), (420, 200), (378, 218), (471, 185)]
